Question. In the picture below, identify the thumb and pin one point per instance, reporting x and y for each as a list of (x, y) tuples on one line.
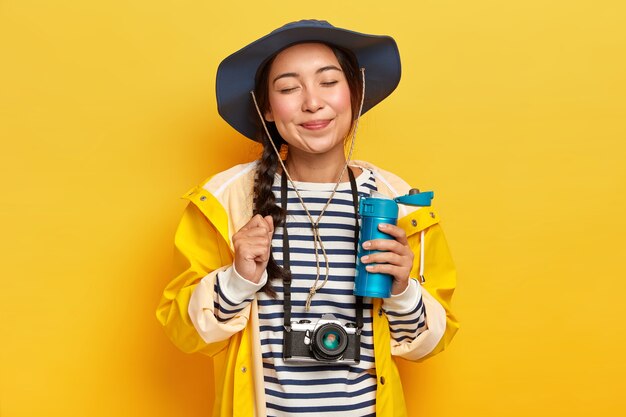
[(269, 220)]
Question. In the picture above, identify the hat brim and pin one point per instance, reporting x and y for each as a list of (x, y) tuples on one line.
[(236, 74)]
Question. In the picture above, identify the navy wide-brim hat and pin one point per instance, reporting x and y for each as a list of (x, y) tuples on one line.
[(236, 74)]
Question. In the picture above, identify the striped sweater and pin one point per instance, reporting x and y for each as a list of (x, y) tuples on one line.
[(308, 389)]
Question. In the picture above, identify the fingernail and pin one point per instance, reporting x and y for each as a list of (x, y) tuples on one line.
[(364, 258), (382, 225), (370, 267), (367, 244)]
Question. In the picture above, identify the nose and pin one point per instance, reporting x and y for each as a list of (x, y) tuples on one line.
[(311, 101)]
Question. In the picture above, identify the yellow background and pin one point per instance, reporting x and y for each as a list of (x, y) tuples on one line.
[(513, 112)]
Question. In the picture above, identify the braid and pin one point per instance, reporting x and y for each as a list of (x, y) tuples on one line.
[(265, 205)]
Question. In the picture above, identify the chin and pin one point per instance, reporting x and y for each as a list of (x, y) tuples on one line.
[(322, 146)]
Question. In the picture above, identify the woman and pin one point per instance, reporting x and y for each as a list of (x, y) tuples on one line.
[(266, 251)]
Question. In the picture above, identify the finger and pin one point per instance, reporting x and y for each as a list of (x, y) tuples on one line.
[(245, 246), (253, 252), (259, 227), (253, 232), (386, 245), (388, 258), (396, 271), (264, 254), (264, 257), (262, 241), (253, 222), (263, 224), (269, 220), (397, 232)]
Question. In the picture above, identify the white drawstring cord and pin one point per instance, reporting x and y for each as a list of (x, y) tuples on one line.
[(317, 239), (422, 278)]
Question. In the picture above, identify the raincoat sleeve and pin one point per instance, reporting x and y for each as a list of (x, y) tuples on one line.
[(423, 229), (200, 255)]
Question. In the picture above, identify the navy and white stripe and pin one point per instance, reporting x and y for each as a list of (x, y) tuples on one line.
[(223, 308), (308, 389), (405, 327)]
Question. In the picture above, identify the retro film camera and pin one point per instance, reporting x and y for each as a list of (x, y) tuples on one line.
[(326, 341)]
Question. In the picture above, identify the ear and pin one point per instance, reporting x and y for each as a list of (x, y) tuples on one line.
[(269, 117)]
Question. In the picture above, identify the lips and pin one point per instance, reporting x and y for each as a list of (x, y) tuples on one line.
[(316, 124)]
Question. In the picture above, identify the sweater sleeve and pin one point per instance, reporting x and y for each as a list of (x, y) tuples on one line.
[(221, 303), (406, 313), (231, 294)]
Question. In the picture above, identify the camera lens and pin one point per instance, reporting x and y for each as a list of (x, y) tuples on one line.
[(330, 341)]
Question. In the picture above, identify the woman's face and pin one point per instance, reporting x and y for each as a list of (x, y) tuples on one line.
[(309, 99)]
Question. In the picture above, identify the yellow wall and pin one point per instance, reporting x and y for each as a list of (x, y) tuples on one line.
[(514, 110)]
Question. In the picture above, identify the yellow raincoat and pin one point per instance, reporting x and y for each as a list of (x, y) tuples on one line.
[(219, 208)]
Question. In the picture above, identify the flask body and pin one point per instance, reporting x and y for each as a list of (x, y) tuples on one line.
[(373, 211)]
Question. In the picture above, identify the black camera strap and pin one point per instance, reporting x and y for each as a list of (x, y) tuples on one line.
[(286, 265)]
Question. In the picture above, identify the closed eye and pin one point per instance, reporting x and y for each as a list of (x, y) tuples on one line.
[(287, 90)]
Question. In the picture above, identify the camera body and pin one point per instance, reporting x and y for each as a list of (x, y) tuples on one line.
[(325, 341)]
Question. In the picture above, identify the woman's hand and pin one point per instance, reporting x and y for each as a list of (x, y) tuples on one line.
[(253, 243), (397, 260)]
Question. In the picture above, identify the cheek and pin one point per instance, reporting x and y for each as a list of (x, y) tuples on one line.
[(342, 101), (283, 109)]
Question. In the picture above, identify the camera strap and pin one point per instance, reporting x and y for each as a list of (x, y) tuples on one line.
[(286, 264)]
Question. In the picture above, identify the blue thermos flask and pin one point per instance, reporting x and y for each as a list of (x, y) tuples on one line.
[(374, 211)]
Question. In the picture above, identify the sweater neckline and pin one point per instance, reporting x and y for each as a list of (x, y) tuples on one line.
[(326, 186)]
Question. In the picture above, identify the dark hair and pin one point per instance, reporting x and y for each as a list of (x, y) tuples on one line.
[(264, 199)]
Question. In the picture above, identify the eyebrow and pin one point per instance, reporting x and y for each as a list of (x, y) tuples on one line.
[(295, 74)]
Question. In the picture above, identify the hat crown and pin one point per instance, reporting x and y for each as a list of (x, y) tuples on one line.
[(304, 23)]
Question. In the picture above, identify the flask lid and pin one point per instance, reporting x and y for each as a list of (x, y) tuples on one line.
[(378, 207), (415, 198)]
